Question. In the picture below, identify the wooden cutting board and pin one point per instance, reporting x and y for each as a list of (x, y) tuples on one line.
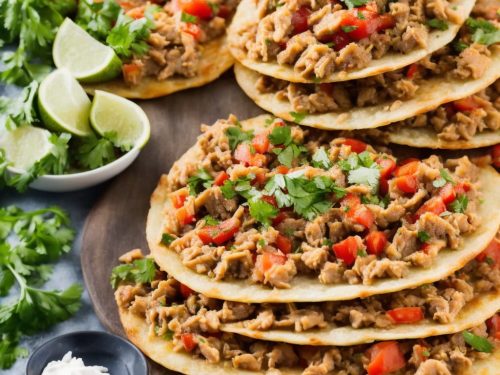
[(116, 223)]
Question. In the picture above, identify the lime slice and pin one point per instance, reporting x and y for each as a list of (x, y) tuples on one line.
[(64, 105), (25, 145), (123, 119), (87, 59)]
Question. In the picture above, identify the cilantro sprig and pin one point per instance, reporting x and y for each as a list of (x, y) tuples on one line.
[(139, 271), (97, 17), (483, 32), (287, 151), (201, 179)]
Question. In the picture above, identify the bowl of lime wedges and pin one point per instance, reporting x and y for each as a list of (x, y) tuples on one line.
[(76, 142)]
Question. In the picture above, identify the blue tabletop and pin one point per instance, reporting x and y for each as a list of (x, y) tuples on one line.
[(68, 269)]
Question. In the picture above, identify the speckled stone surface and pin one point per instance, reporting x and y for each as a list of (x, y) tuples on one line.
[(67, 270)]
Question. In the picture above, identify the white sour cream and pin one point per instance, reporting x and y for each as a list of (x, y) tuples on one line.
[(72, 366)]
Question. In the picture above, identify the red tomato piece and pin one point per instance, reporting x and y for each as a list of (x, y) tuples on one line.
[(131, 72), (282, 169), (280, 218), (387, 166), (284, 244), (221, 178), (192, 29), (188, 342), (340, 39), (346, 250), (466, 104), (350, 203), (261, 143), (383, 186), (198, 8), (385, 357), (385, 21), (270, 199), (407, 184), (270, 259), (435, 205), (407, 167), (491, 253), (362, 215), (376, 242), (179, 197), (359, 23), (219, 233), (224, 11), (185, 291), (258, 160), (447, 193), (356, 146), (495, 156), (461, 188), (412, 71), (260, 179), (405, 315), (184, 217), (494, 326), (299, 20), (243, 153)]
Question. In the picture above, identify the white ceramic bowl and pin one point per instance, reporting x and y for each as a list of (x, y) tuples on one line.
[(82, 180)]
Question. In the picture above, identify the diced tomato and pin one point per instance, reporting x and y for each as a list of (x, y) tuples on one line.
[(299, 20), (178, 197), (184, 217), (407, 167), (346, 250), (270, 199), (188, 342), (407, 184), (447, 193), (385, 357), (185, 291), (491, 253), (435, 205), (385, 21), (495, 156), (136, 13), (375, 242), (360, 23), (494, 326), (406, 315), (192, 29), (280, 218), (198, 8), (260, 179), (356, 146), (425, 247), (282, 169), (387, 166), (261, 143), (258, 160), (224, 11), (412, 71), (284, 244), (466, 104), (268, 260), (131, 72), (220, 233), (383, 186), (461, 188), (340, 39), (221, 178), (362, 215), (243, 153), (350, 202)]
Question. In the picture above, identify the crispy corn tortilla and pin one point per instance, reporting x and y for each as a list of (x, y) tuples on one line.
[(431, 94), (162, 352), (247, 14), (476, 312), (304, 289), (427, 138), (215, 60)]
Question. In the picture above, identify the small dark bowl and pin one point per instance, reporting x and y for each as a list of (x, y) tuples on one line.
[(95, 348)]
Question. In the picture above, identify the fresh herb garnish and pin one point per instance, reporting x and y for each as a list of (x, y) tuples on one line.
[(483, 32), (282, 136), (167, 239), (298, 117), (445, 177), (188, 18), (210, 220), (459, 205), (262, 211), (365, 176), (201, 179), (436, 23), (361, 253), (93, 152), (320, 159), (97, 17), (478, 343), (19, 110), (236, 135), (349, 28), (354, 3), (423, 236), (140, 271)]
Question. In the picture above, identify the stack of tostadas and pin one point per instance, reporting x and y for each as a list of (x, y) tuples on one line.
[(284, 249)]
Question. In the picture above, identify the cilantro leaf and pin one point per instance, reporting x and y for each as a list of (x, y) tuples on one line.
[(209, 220), (354, 3), (10, 351), (97, 17), (483, 32), (262, 211), (320, 159), (349, 28), (19, 110), (281, 135), (436, 23), (140, 271), (236, 135), (478, 343), (459, 205), (287, 155), (423, 236), (298, 117), (188, 18), (201, 179), (167, 239), (445, 177), (93, 152)]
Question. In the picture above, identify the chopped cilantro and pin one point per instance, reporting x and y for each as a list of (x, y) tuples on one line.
[(261, 242), (374, 199), (478, 343), (210, 220), (348, 29), (354, 3), (459, 46), (201, 179), (281, 135), (436, 23), (188, 18), (167, 239), (362, 253), (298, 117), (423, 236), (360, 16), (490, 261), (459, 205), (445, 177), (320, 159), (262, 211), (426, 353), (327, 242), (139, 271), (366, 159), (351, 163), (236, 135), (287, 155), (269, 121), (330, 44), (483, 32)]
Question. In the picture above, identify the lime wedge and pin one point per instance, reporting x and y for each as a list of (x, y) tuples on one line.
[(123, 119), (64, 106), (25, 145), (87, 59)]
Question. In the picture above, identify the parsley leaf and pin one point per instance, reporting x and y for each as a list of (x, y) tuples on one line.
[(320, 159), (484, 32), (436, 23), (201, 179), (298, 117), (93, 152), (478, 343), (236, 135), (140, 271), (354, 3), (10, 351), (262, 211), (423, 236), (459, 205)]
